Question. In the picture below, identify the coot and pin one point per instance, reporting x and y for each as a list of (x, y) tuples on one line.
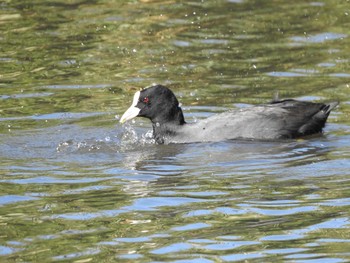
[(280, 119)]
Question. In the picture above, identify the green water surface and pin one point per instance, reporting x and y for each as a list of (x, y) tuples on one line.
[(76, 186)]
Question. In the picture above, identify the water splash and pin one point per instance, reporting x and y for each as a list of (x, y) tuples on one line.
[(125, 138)]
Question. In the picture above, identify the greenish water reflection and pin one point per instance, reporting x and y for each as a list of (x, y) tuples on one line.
[(76, 186)]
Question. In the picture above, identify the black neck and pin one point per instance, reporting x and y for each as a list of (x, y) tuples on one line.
[(166, 125)]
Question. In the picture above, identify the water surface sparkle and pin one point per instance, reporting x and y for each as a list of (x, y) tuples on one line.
[(77, 186)]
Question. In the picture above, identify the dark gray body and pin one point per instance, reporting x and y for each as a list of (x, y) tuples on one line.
[(279, 120)]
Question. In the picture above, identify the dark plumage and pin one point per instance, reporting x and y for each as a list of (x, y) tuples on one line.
[(280, 119)]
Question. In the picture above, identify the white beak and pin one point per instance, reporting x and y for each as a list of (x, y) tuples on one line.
[(133, 111)]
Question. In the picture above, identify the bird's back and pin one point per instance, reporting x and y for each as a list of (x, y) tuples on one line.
[(277, 120)]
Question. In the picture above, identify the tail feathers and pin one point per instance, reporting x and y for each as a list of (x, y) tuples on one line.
[(329, 107), (318, 121)]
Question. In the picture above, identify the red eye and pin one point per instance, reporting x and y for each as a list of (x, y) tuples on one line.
[(146, 100)]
